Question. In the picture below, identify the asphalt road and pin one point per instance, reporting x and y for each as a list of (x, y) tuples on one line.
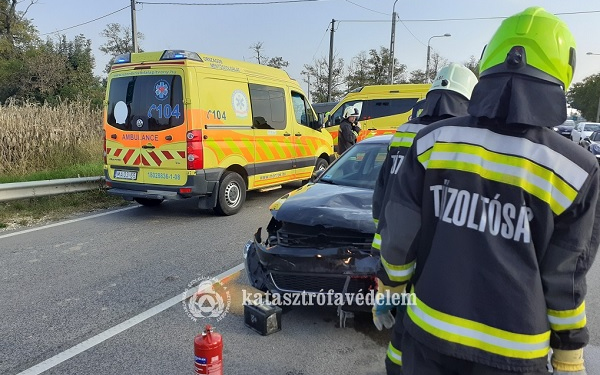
[(69, 284)]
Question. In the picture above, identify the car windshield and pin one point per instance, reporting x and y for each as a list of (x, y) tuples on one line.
[(591, 127), (595, 137), (357, 167)]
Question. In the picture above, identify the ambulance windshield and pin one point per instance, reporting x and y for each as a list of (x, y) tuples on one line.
[(145, 103)]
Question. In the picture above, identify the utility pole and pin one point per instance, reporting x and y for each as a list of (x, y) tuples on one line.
[(330, 61), (392, 42), (134, 28), (598, 112), (308, 76)]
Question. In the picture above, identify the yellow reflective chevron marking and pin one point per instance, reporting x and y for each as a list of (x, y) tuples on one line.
[(263, 146)]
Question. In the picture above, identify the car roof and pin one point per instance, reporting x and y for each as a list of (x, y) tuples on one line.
[(378, 139)]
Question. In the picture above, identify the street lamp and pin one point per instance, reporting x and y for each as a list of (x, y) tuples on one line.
[(428, 53), (392, 43), (598, 110)]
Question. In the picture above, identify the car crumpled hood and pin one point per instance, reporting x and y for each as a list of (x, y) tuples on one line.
[(331, 206)]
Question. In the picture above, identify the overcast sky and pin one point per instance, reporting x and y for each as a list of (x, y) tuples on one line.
[(299, 31)]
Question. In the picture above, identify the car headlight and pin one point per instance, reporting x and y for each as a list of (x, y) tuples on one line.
[(555, 129), (596, 148)]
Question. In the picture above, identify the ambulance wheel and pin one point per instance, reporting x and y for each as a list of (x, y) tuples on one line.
[(232, 194), (148, 202), (321, 164)]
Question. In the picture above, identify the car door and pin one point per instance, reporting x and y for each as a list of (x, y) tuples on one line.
[(304, 142)]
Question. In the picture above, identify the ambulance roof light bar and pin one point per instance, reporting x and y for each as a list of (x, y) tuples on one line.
[(178, 54), (123, 59)]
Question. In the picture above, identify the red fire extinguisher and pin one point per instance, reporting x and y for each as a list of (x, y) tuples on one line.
[(208, 350)]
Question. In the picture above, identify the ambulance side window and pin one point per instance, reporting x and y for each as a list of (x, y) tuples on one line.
[(268, 107), (303, 111)]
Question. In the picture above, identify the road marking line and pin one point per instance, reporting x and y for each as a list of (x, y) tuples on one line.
[(103, 336), (66, 222)]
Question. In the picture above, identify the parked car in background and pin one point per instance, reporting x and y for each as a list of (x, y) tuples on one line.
[(582, 130), (319, 237), (592, 144), (565, 128)]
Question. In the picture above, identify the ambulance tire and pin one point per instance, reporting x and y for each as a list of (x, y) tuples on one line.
[(321, 164), (232, 194), (148, 202)]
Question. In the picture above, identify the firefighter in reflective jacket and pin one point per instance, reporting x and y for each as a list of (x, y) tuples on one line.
[(494, 218), (349, 129), (448, 97)]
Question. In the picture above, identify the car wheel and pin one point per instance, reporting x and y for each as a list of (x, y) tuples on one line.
[(256, 272), (232, 194), (148, 202)]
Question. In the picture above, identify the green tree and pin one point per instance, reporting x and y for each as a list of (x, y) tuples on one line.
[(436, 62), (275, 62), (319, 73), (373, 68), (358, 72), (585, 95), (473, 65), (118, 42), (417, 76), (16, 32)]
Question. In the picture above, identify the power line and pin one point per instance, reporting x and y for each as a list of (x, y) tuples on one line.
[(371, 10), (323, 37), (222, 4), (411, 33), (85, 23)]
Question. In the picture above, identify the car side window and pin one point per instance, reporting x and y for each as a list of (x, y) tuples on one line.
[(268, 107)]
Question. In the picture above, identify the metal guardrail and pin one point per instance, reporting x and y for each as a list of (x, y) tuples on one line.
[(19, 190)]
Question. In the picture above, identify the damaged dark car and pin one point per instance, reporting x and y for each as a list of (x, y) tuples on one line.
[(319, 237)]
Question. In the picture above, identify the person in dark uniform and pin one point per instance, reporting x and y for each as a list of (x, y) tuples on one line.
[(495, 219), (349, 129)]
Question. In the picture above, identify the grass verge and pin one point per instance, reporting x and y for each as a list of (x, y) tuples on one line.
[(40, 210), (77, 170)]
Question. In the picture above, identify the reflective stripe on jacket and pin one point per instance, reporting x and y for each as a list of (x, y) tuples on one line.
[(501, 225)]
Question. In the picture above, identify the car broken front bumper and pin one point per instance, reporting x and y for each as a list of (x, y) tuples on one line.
[(322, 271)]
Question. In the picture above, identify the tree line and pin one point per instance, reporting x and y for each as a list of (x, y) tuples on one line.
[(55, 69)]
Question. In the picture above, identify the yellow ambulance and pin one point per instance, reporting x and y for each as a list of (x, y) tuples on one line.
[(382, 108), (180, 124)]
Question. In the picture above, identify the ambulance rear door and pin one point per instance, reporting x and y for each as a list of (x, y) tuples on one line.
[(146, 136)]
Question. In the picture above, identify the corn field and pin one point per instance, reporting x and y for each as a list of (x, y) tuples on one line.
[(36, 138)]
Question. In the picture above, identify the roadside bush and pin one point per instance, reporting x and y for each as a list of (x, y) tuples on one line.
[(37, 138)]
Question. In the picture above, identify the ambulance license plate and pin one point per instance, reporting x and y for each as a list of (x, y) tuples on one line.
[(126, 175)]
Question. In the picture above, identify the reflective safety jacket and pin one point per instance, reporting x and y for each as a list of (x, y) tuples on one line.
[(497, 227)]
